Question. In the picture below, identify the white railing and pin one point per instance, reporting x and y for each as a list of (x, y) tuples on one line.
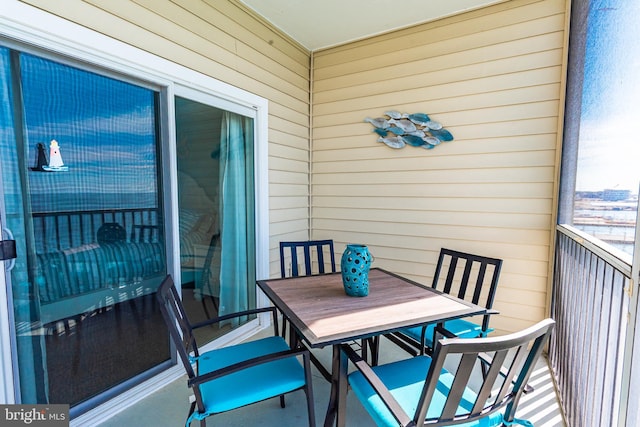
[(590, 304)]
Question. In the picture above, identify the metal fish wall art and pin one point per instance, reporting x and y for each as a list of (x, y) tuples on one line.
[(418, 130)]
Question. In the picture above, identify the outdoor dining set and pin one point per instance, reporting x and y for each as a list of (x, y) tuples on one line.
[(455, 371)]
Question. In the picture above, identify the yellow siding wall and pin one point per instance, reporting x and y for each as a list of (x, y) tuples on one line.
[(494, 78), (222, 39)]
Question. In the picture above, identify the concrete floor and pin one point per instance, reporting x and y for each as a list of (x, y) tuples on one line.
[(169, 406)]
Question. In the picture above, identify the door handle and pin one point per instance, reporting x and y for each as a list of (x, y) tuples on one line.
[(8, 250)]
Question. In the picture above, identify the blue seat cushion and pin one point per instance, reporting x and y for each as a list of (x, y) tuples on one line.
[(460, 327), (405, 380), (252, 384)]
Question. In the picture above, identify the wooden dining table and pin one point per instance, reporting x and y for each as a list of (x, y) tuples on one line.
[(323, 314)]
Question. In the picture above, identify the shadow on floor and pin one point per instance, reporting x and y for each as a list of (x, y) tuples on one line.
[(169, 406)]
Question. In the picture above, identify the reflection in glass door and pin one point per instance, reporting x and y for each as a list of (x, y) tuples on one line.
[(216, 197), (82, 195)]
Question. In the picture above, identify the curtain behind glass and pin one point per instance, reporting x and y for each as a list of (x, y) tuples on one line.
[(237, 272)]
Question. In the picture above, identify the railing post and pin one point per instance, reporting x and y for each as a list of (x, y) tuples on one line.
[(630, 396)]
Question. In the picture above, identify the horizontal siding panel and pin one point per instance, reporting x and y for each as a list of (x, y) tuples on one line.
[(472, 219), (288, 177), (279, 150), (499, 190), (285, 190), (521, 311), (485, 60), (415, 158), (539, 120), (533, 285), (469, 145), (544, 50), (448, 93), (498, 235), (461, 125), (424, 204), (504, 295), (283, 109), (474, 101), (288, 127), (430, 177), (402, 51), (288, 165), (472, 161), (424, 251), (285, 215), (287, 202), (287, 227)]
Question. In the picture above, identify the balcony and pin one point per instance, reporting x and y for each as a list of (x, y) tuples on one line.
[(583, 380)]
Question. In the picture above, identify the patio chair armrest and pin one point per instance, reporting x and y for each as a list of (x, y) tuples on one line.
[(267, 358), (218, 319), (385, 395)]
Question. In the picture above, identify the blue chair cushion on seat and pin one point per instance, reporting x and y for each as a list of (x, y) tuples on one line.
[(252, 384), (405, 380), (460, 327)]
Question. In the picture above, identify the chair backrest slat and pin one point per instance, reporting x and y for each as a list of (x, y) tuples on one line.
[(478, 281), (513, 371), (490, 378), (464, 282), (450, 273), (430, 386), (511, 361), (460, 381), (294, 263), (307, 260), (320, 253), (313, 251)]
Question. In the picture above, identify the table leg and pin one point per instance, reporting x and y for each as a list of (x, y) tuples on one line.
[(337, 410)]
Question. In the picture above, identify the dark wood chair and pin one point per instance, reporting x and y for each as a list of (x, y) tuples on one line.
[(230, 377), (470, 277), (442, 390)]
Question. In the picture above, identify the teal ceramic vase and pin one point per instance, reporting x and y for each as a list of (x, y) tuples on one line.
[(355, 264)]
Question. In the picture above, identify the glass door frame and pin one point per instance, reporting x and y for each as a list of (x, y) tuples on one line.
[(8, 390)]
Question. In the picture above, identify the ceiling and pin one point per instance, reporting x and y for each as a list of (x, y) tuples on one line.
[(318, 24)]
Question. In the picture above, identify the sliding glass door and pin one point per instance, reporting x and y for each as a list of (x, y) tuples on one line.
[(215, 158), (83, 178), (81, 194)]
